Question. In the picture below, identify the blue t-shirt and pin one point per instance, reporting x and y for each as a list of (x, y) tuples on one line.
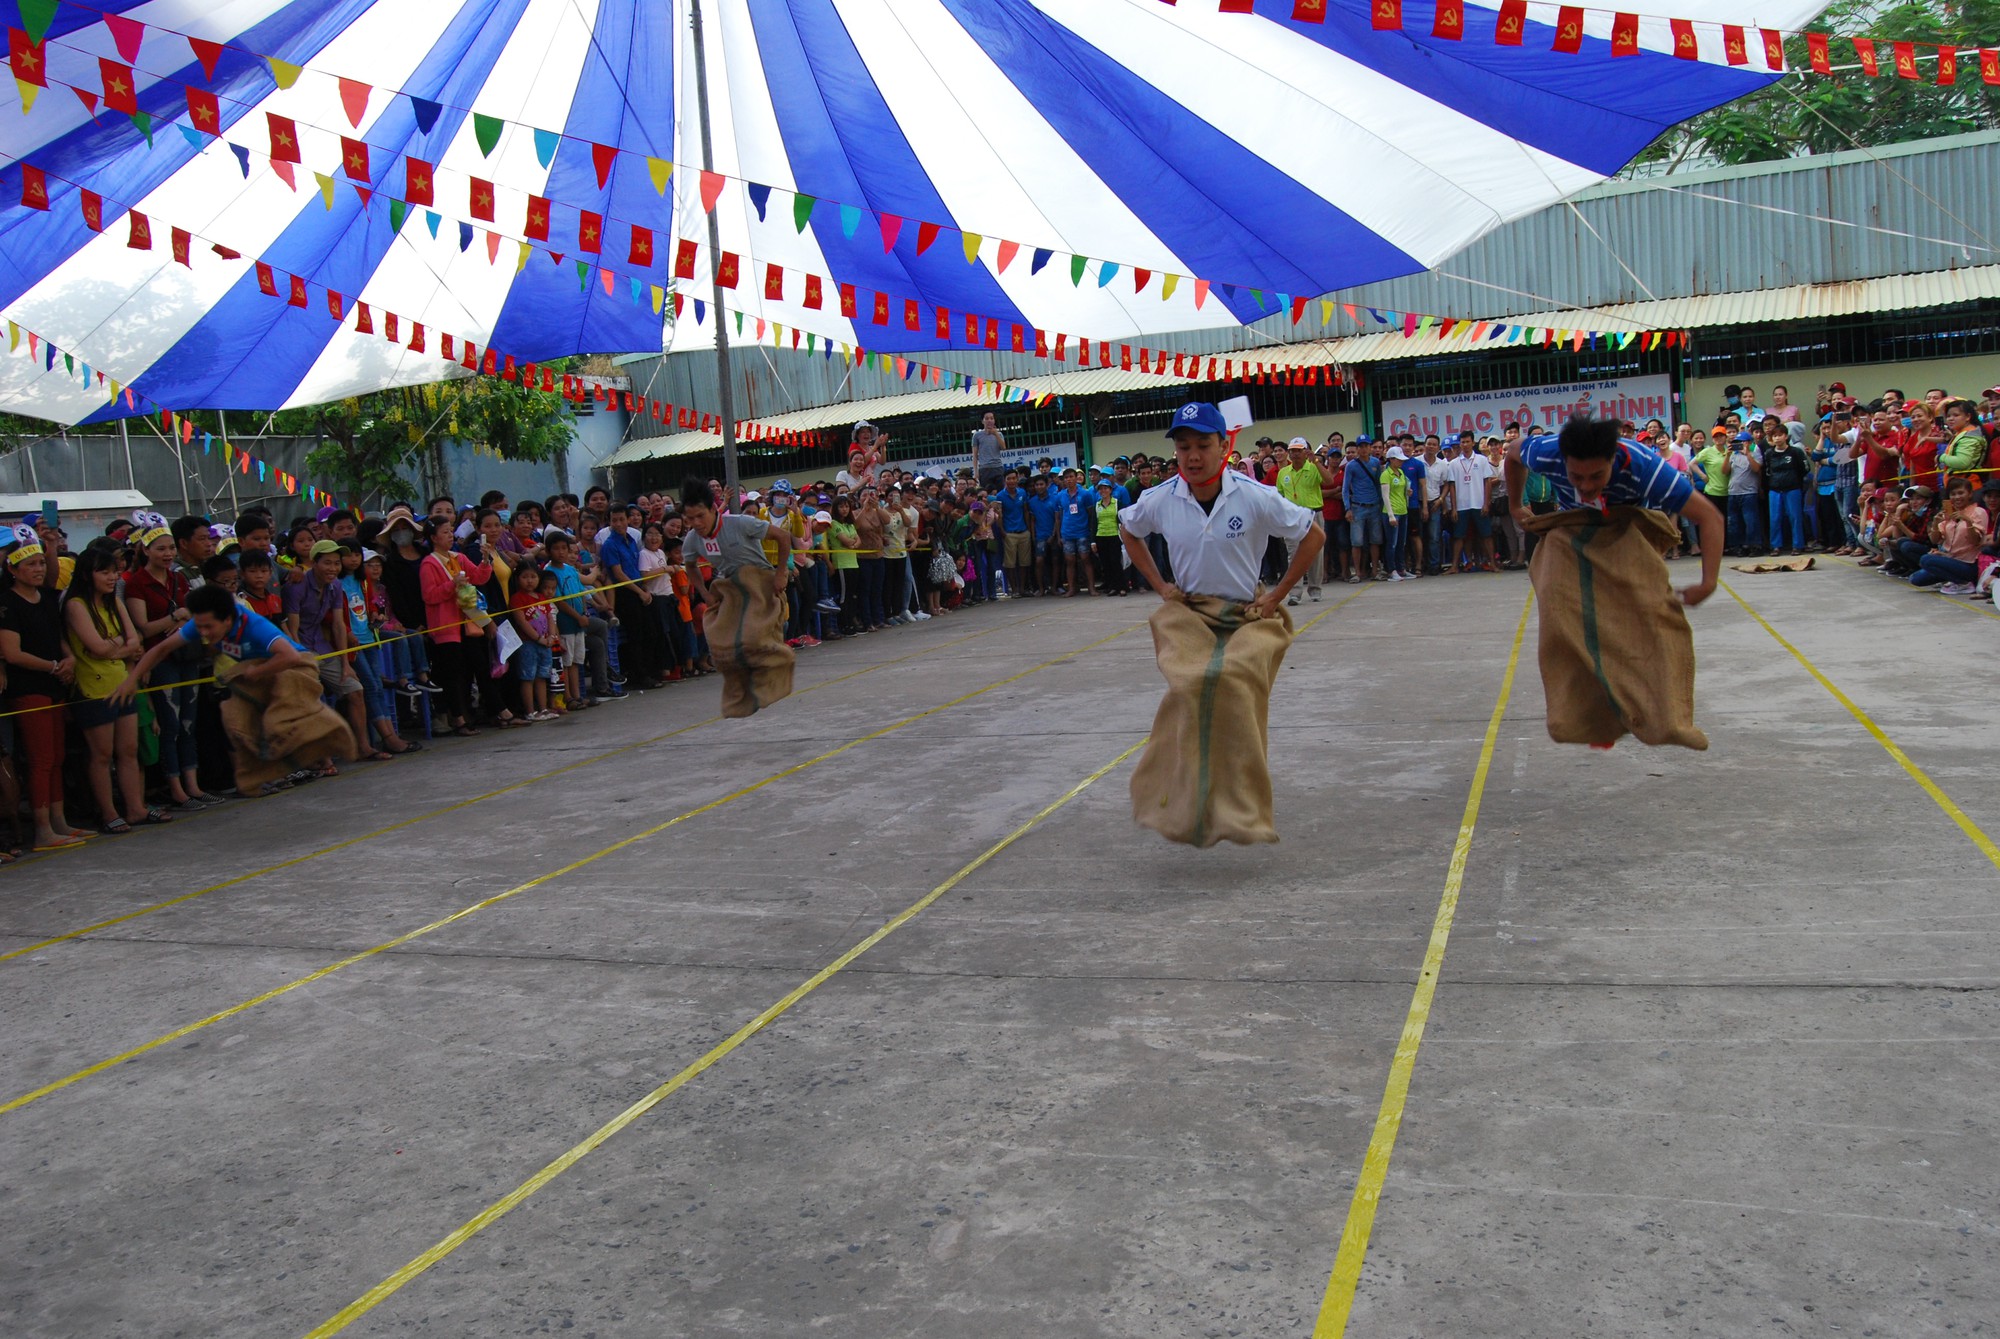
[(1013, 509), (1639, 477), (1414, 471), (1079, 516), (1046, 512), (250, 637), (1361, 483), (568, 582), (621, 552)]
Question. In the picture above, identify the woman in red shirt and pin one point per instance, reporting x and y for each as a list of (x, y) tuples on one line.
[(438, 576)]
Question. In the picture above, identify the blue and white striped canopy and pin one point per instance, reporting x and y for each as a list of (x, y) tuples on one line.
[(1017, 161)]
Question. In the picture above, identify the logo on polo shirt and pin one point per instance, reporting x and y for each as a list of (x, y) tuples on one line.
[(1235, 523)]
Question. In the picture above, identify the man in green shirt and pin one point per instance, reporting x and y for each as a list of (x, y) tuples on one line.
[(1303, 482)]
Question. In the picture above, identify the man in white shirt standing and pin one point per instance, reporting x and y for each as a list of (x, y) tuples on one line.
[(1472, 535), (1219, 638)]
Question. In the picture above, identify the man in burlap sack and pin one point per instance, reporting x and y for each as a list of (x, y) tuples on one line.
[(1617, 654), (276, 720), (746, 599), (1219, 639)]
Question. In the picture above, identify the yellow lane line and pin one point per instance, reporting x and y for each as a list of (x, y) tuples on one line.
[(382, 1291), (59, 1084), (1917, 774), (1339, 1299), (247, 876), (493, 1212)]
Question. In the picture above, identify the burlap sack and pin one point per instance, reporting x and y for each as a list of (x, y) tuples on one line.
[(1617, 653), (278, 725), (746, 639), (1204, 777)]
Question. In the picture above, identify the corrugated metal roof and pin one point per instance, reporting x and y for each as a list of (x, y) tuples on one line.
[(1902, 292)]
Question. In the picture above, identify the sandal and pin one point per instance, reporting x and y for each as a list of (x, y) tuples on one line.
[(62, 843), (466, 732), (377, 756), (154, 818), (320, 772), (117, 827)]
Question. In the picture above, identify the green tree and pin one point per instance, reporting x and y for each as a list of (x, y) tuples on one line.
[(377, 444), (1809, 113)]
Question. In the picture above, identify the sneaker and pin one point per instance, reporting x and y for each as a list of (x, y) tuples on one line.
[(1381, 576), (1957, 588), (1292, 600), (923, 617), (1353, 580), (1313, 592), (426, 686), (808, 640), (1397, 576), (617, 679), (828, 606)]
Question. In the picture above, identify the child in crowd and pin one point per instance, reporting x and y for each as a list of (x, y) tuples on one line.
[(220, 571), (255, 573), (534, 662)]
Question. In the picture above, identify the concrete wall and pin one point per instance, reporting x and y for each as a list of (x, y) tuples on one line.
[(1960, 376)]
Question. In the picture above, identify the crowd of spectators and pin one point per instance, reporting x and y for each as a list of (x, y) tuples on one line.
[(507, 614)]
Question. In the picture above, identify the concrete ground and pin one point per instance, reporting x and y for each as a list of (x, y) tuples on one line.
[(1712, 1052)]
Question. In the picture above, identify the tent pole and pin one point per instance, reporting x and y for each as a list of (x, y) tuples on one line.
[(222, 421), (125, 437), (726, 392)]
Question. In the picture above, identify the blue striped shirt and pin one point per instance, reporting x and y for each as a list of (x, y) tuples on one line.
[(1639, 477)]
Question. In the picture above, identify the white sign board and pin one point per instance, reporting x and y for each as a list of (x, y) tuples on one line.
[(1022, 458), (1633, 398)]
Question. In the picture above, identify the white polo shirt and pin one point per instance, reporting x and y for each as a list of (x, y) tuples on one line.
[(1218, 552)]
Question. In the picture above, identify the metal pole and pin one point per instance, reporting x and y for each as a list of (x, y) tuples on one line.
[(727, 392), (124, 436), (222, 421)]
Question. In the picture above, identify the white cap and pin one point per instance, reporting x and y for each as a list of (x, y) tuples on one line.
[(823, 517), (1302, 444), (1396, 453), (752, 495)]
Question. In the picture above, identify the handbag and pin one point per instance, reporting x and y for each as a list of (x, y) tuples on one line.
[(942, 569)]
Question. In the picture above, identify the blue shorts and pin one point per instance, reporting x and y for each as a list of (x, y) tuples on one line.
[(1471, 521), (1076, 548), (1364, 524), (533, 661), (87, 713)]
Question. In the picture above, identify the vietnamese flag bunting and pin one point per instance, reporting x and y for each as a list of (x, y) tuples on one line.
[(589, 232), (481, 197), (354, 158), (725, 273), (641, 252), (121, 92), (538, 220), (774, 283), (27, 58), (417, 189), (284, 138)]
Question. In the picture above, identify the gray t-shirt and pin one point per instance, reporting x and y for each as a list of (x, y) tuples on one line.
[(985, 450), (738, 543), (1743, 480)]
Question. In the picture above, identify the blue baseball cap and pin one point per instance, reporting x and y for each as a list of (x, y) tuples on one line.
[(1199, 416)]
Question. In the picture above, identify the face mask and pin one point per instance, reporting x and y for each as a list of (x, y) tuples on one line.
[(779, 505)]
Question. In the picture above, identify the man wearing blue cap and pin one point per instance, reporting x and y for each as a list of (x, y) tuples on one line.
[(1218, 636)]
